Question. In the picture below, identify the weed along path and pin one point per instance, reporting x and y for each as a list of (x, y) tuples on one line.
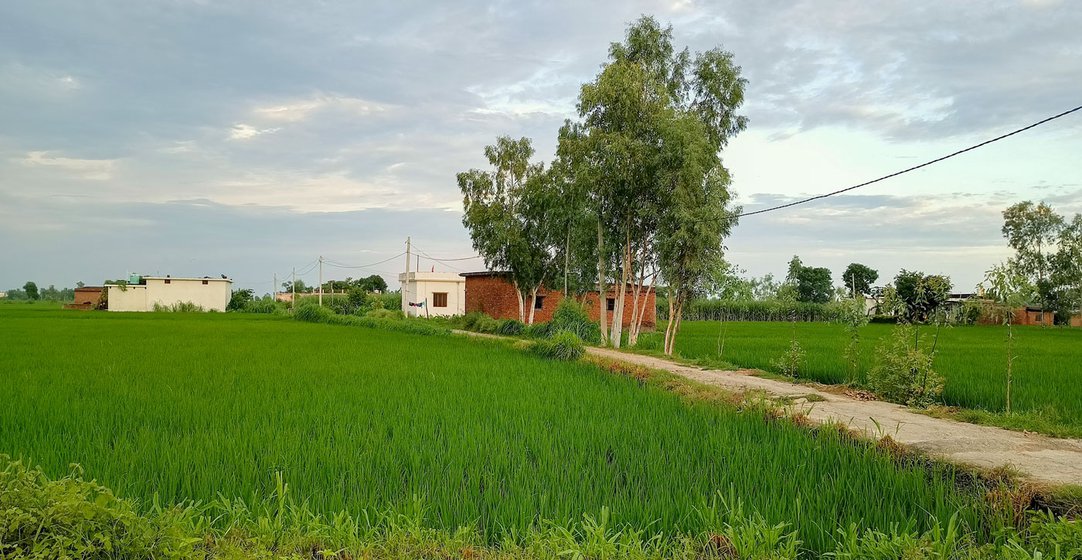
[(1042, 459)]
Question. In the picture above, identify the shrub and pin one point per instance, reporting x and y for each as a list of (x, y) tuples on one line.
[(179, 307), (790, 363), (261, 306), (380, 313), (487, 325), (469, 321), (571, 316), (510, 327), (563, 345), (539, 330), (903, 371), (239, 299), (313, 314), (70, 518)]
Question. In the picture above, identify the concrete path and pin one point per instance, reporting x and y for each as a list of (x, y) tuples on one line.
[(1043, 459)]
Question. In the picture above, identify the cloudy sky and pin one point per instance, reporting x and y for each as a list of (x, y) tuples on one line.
[(193, 137)]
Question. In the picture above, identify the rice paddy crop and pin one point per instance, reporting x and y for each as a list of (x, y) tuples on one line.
[(1047, 365), (178, 407)]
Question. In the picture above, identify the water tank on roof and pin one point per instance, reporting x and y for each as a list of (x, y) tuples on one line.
[(134, 279)]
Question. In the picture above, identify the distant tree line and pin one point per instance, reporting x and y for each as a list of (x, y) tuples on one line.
[(31, 292)]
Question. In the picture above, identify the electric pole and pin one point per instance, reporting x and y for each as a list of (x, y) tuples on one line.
[(293, 300), (321, 280), (406, 283)]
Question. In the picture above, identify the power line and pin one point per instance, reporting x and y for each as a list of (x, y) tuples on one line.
[(340, 265), (914, 168)]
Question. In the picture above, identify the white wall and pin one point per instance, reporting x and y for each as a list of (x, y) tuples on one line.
[(127, 298), (421, 285), (214, 295)]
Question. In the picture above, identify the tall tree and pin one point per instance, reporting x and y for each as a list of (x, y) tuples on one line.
[(644, 96), (31, 290), (859, 278), (505, 212), (1032, 231), (814, 284), (918, 296)]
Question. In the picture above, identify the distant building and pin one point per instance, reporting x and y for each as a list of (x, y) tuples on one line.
[(86, 298), (491, 293), (433, 294), (143, 293)]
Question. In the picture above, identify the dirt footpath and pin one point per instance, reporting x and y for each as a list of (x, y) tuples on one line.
[(1043, 459)]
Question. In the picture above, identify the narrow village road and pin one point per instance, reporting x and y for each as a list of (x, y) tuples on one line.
[(1042, 459)]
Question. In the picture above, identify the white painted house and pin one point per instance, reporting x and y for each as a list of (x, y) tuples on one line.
[(433, 294), (212, 294)]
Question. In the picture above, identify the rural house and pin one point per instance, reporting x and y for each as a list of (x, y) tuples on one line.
[(432, 294), (493, 294), (144, 292), (86, 298)]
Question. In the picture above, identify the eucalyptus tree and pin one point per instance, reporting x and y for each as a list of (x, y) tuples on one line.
[(646, 96), (505, 212)]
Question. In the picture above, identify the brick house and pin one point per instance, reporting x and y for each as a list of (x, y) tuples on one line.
[(86, 298), (493, 294)]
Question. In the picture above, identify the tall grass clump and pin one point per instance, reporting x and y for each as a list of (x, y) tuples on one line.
[(563, 345), (571, 316), (179, 307)]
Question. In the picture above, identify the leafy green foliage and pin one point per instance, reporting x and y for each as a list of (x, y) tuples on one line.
[(239, 300), (853, 316), (859, 278), (31, 291), (918, 296), (179, 307), (791, 361), (814, 285), (562, 345), (903, 372), (571, 316)]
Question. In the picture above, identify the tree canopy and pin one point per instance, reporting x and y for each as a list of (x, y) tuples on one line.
[(859, 278)]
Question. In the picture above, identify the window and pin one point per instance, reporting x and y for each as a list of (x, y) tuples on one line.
[(439, 299), (167, 280), (1040, 317), (205, 282), (611, 304), (538, 302)]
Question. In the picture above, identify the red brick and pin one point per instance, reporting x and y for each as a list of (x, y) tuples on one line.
[(495, 296)]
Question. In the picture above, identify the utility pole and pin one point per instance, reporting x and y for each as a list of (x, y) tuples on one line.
[(274, 288), (321, 280), (293, 286), (406, 284)]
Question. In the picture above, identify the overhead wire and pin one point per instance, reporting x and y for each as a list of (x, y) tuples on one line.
[(909, 169)]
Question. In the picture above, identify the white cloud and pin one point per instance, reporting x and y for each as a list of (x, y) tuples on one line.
[(243, 131), (90, 169), (301, 109)]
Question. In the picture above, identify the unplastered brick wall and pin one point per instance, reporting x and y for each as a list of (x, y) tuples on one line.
[(494, 295)]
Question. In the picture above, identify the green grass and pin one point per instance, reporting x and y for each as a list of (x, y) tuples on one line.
[(1047, 387), (176, 407)]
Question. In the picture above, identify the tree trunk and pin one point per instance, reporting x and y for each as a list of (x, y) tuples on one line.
[(533, 304), (521, 307), (674, 320), (602, 284), (567, 258), (617, 330), (669, 325)]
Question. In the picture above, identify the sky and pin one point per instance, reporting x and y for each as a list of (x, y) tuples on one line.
[(249, 138)]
